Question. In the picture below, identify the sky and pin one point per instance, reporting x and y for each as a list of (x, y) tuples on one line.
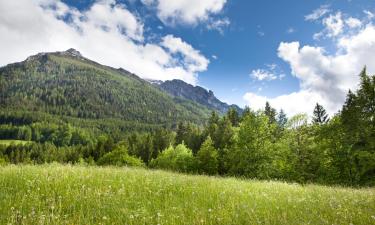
[(292, 53)]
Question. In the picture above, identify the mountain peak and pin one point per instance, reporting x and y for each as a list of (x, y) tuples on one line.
[(72, 52)]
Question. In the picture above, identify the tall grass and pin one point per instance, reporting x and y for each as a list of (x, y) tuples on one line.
[(56, 194)]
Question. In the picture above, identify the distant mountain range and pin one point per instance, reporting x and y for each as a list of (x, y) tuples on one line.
[(68, 85)]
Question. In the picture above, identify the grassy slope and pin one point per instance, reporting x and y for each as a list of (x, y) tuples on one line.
[(54, 194)]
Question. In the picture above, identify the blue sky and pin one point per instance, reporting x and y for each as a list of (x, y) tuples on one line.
[(292, 53)]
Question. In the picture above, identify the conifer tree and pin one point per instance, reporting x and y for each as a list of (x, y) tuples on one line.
[(320, 115)]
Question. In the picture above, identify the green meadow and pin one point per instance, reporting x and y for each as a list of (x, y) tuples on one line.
[(63, 194)]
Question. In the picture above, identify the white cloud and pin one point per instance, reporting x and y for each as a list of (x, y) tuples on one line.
[(334, 24), (261, 33), (353, 22), (318, 13), (218, 25), (196, 62), (291, 30), (324, 78), (189, 12), (271, 73), (369, 14), (290, 103), (106, 32), (112, 17), (261, 74)]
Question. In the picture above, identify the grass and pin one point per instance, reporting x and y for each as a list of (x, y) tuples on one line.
[(62, 194), (17, 142)]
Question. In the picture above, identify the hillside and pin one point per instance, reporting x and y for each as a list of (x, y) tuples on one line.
[(197, 94), (55, 194), (68, 85)]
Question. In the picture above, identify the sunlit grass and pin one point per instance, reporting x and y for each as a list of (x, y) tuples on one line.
[(56, 194)]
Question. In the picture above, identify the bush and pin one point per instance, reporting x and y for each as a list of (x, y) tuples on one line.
[(120, 157), (179, 159)]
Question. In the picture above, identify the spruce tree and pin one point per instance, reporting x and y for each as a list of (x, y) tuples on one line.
[(320, 115)]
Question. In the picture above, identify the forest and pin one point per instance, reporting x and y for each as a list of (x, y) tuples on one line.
[(327, 149)]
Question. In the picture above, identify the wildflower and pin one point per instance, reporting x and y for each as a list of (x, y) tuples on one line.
[(209, 210), (104, 217)]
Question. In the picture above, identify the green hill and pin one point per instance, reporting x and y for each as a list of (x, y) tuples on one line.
[(67, 86), (55, 194)]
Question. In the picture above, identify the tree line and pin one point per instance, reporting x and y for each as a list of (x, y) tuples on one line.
[(261, 144)]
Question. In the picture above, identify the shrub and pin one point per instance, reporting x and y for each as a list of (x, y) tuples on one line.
[(179, 159), (120, 157)]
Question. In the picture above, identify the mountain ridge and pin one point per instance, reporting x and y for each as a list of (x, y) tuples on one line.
[(70, 85), (179, 88)]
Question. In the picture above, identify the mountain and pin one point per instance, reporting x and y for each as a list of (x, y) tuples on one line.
[(179, 88), (67, 86)]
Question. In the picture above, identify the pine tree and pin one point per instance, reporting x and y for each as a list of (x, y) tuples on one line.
[(320, 115)]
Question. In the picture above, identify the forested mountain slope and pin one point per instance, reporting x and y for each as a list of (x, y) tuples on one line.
[(68, 85)]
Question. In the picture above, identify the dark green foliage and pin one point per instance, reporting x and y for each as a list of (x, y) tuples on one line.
[(320, 115)]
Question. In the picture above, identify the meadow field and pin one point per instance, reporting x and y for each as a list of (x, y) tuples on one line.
[(64, 194)]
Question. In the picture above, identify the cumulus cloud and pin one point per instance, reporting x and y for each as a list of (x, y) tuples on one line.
[(189, 12), (324, 77), (196, 62), (106, 32)]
